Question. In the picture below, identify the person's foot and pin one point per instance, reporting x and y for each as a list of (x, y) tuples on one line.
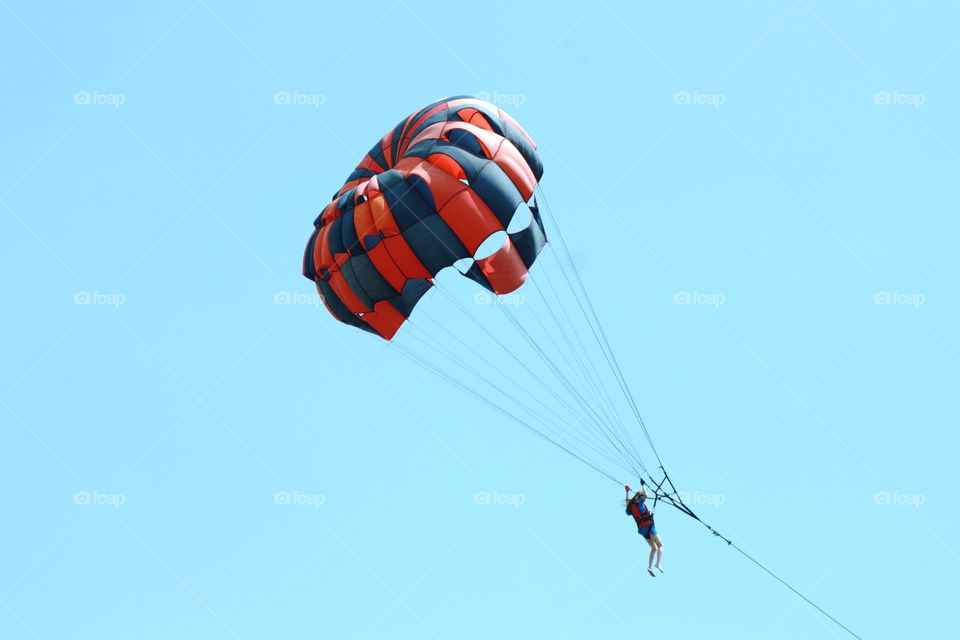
[(659, 568), (650, 571)]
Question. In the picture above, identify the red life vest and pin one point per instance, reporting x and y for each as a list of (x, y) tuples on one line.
[(644, 518)]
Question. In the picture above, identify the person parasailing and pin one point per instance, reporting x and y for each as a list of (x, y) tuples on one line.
[(425, 197), (637, 507)]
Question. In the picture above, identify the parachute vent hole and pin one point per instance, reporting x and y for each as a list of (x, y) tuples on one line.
[(491, 245), (463, 264), (521, 219)]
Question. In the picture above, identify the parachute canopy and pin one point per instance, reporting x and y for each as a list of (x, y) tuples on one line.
[(426, 196)]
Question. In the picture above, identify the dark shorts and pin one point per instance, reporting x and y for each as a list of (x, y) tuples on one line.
[(646, 532)]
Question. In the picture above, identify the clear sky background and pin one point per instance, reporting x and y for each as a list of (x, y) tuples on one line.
[(797, 159)]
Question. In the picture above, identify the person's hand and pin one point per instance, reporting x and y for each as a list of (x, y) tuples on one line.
[(642, 482)]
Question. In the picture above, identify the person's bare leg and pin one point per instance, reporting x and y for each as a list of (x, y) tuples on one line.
[(653, 551), (659, 547)]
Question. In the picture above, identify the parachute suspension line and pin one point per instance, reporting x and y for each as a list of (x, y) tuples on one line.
[(424, 362), (557, 371), (597, 394), (603, 428), (565, 357), (576, 333), (626, 447), (597, 331), (491, 365), (601, 398), (499, 342), (621, 383), (632, 462), (583, 349), (557, 433), (559, 398), (595, 382), (605, 345), (569, 386)]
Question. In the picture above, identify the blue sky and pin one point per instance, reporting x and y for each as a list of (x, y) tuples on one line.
[(794, 163)]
